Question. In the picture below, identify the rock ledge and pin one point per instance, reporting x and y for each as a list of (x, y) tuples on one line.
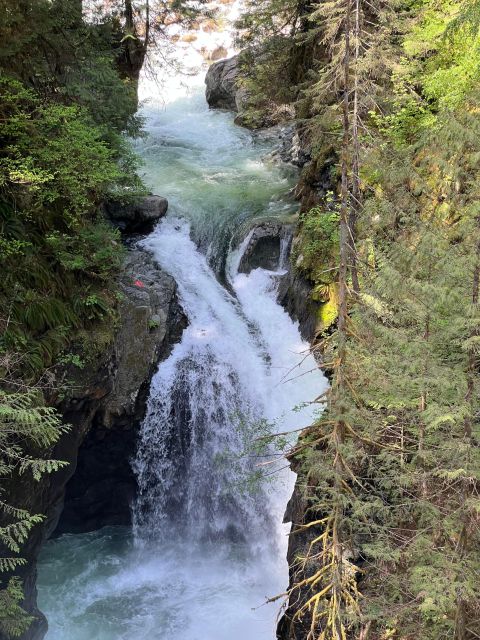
[(139, 217)]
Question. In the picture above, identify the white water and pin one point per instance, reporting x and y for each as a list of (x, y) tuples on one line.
[(207, 550)]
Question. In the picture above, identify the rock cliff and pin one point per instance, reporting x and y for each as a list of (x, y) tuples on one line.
[(139, 217), (105, 404)]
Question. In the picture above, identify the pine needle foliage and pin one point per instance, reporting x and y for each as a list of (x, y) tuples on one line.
[(390, 537), (14, 621), (415, 368)]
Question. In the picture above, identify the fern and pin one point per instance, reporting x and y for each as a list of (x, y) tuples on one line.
[(26, 425), (14, 621)]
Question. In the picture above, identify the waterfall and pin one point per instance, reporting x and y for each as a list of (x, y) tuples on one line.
[(229, 371), (198, 399), (285, 244), (208, 543)]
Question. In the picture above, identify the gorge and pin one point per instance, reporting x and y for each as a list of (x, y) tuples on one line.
[(207, 546), (239, 319)]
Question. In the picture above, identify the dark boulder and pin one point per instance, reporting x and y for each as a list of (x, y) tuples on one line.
[(267, 247), (294, 294), (222, 86), (138, 217), (103, 487)]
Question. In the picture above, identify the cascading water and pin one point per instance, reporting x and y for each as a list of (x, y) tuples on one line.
[(207, 548), (196, 398)]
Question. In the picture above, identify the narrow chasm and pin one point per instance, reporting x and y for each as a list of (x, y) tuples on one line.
[(175, 510)]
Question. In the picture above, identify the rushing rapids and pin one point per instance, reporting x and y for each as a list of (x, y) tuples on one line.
[(207, 547)]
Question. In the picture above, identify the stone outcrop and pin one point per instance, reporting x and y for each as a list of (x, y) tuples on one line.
[(138, 217), (222, 85), (105, 405), (298, 545), (294, 294), (288, 146), (267, 247), (103, 486)]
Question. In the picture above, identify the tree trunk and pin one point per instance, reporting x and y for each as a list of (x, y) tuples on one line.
[(356, 194)]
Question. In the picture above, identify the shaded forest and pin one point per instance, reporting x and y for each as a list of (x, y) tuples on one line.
[(386, 99)]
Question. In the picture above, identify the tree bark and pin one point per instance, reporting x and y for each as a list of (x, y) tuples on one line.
[(356, 193)]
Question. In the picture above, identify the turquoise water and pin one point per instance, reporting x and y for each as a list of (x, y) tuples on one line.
[(215, 174), (98, 586)]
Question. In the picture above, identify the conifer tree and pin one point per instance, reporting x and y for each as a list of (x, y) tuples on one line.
[(404, 392), (330, 600)]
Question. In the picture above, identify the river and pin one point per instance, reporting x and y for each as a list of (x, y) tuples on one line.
[(207, 547)]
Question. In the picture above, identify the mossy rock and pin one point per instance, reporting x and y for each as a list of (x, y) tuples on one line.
[(327, 297)]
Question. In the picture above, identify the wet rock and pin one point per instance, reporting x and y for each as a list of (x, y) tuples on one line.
[(139, 217), (267, 247), (151, 321), (103, 487), (265, 254), (222, 88), (298, 545), (105, 405), (294, 294), (290, 149)]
